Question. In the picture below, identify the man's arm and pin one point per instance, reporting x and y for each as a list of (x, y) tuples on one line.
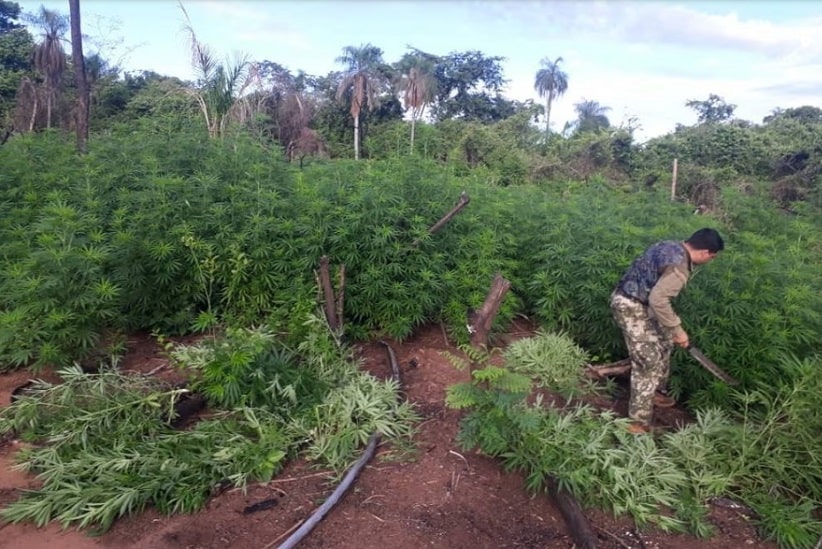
[(668, 287)]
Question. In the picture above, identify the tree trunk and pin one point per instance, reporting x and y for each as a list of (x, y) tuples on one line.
[(413, 127), (81, 121), (357, 136), (48, 107), (548, 114), (480, 322)]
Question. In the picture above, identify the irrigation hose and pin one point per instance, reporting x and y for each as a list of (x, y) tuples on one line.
[(332, 500), (349, 478)]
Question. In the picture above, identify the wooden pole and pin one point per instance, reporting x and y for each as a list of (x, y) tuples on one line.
[(341, 295), (328, 294), (673, 181)]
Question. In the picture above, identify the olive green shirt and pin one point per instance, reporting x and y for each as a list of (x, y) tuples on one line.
[(668, 286)]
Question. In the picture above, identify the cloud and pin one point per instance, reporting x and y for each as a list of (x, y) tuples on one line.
[(803, 89), (656, 23)]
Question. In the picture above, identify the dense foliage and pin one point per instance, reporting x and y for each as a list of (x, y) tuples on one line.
[(766, 456), (104, 444), (172, 225)]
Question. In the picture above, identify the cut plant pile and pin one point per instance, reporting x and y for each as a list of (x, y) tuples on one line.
[(436, 495)]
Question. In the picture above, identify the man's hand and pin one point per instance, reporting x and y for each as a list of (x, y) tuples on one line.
[(680, 338)]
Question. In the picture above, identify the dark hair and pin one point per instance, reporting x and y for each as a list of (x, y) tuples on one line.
[(706, 239)]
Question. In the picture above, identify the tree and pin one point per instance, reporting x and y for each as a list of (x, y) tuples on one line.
[(220, 86), (712, 110), (550, 82), (291, 109), (805, 114), (360, 83), (49, 57), (468, 87), (81, 124), (417, 85), (9, 13), (16, 46), (591, 116)]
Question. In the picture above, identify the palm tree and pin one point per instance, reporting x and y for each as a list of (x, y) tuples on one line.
[(417, 85), (81, 124), (220, 91), (551, 83), (49, 57), (360, 82), (591, 116)]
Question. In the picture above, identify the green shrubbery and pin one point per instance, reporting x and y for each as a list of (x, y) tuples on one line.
[(104, 448), (766, 456), (161, 229)]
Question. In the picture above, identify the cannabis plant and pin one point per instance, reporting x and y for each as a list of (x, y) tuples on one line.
[(103, 448), (553, 360)]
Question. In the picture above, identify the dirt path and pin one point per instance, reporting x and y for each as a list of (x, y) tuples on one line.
[(434, 495)]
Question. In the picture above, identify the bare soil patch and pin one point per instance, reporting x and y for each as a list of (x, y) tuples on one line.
[(432, 495)]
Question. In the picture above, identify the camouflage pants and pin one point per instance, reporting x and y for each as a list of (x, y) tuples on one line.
[(650, 350)]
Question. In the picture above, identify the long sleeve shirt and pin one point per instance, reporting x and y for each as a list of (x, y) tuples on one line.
[(668, 286)]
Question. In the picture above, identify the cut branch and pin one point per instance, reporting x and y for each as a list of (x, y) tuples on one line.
[(599, 371), (461, 203), (480, 322)]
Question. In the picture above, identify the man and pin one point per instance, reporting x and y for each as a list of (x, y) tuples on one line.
[(641, 305)]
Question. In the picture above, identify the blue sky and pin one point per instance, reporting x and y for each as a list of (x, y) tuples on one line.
[(642, 59)]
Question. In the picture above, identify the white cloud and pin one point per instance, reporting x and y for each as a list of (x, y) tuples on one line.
[(658, 23)]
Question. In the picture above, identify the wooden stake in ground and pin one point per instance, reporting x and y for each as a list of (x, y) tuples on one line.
[(328, 295), (673, 181), (461, 203), (480, 322)]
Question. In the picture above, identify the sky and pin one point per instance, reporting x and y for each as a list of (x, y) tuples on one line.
[(642, 59)]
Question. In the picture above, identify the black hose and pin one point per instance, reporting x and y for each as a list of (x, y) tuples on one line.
[(350, 476)]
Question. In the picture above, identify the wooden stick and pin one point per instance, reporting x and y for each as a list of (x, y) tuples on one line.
[(341, 295), (599, 371), (673, 180), (284, 534), (613, 537), (461, 203), (328, 294), (294, 479)]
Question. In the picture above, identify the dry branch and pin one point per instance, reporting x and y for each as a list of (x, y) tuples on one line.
[(599, 371)]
